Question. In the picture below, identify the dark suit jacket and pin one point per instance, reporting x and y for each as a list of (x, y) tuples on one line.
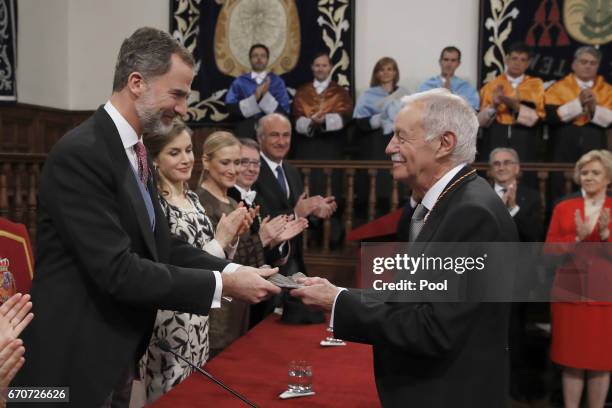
[(439, 354), (529, 218), (101, 271), (273, 202)]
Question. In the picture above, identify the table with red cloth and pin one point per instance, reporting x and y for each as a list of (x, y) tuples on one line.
[(256, 366)]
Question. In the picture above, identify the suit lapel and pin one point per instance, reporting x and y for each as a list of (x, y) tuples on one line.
[(436, 214), (293, 182), (269, 179), (128, 180)]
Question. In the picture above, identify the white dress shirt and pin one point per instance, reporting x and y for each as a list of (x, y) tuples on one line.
[(500, 192)]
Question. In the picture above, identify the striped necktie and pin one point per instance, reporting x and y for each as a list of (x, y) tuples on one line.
[(143, 165), (417, 221)]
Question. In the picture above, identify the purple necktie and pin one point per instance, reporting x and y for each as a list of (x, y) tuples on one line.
[(143, 166)]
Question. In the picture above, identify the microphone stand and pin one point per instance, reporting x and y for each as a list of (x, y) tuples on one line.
[(165, 346)]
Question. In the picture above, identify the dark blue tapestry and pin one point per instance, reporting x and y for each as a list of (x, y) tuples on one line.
[(8, 50), (219, 33), (554, 28)]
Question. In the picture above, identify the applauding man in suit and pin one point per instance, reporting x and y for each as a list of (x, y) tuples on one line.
[(433, 354), (523, 202), (105, 258)]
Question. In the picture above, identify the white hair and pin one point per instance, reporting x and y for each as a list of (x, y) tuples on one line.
[(445, 112)]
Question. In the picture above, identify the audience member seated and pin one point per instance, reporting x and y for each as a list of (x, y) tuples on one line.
[(375, 112), (523, 202), (186, 333), (256, 93), (450, 59), (582, 331), (14, 317), (321, 110), (221, 161), (280, 191), (376, 109), (579, 110), (525, 207), (242, 192), (512, 107)]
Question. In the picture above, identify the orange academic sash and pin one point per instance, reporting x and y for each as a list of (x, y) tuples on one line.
[(531, 90), (567, 89)]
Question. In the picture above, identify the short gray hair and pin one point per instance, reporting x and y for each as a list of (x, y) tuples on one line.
[(589, 49), (504, 150), (259, 129), (445, 112)]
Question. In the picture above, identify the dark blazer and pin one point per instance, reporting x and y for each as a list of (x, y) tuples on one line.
[(273, 202), (439, 354), (102, 272), (529, 218)]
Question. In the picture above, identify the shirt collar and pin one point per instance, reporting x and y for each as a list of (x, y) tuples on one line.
[(434, 192), (498, 188), (242, 190), (321, 86), (515, 82), (442, 79), (126, 132), (259, 76), (272, 164), (247, 195), (584, 84)]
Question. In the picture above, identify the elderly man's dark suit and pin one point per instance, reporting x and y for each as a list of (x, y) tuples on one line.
[(439, 354), (102, 272)]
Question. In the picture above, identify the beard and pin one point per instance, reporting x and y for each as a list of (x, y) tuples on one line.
[(150, 117)]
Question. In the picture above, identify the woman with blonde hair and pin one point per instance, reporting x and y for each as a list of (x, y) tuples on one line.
[(186, 333), (221, 165), (581, 330)]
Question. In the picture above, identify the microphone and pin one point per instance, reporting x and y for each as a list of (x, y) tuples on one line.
[(165, 346)]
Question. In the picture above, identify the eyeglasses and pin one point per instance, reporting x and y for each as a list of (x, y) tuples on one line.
[(504, 163), (247, 163)]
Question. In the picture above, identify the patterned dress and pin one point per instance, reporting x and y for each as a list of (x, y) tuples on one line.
[(186, 333)]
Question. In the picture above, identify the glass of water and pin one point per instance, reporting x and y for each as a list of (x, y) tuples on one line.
[(300, 376)]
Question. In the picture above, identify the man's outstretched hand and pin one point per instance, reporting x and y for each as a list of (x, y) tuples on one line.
[(317, 293), (249, 284)]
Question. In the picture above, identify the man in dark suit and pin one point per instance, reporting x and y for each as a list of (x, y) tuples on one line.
[(433, 354), (105, 258), (525, 207), (523, 202), (279, 186), (280, 191)]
